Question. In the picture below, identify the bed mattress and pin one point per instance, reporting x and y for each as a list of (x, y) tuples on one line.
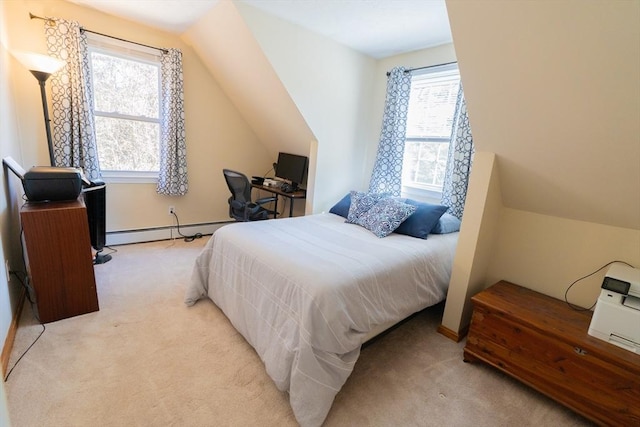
[(306, 292)]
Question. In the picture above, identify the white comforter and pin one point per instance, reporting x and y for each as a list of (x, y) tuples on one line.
[(306, 291)]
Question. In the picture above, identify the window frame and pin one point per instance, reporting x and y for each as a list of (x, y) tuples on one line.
[(420, 191), (129, 51)]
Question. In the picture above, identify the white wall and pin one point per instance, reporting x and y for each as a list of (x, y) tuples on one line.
[(331, 86), (10, 188)]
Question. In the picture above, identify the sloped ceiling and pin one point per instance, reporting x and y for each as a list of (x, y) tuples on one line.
[(249, 79), (553, 89), (377, 28)]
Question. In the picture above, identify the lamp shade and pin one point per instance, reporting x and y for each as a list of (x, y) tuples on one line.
[(37, 62)]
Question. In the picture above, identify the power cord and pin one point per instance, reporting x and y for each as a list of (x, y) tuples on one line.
[(186, 238), (566, 292), (28, 294), (25, 352), (273, 168), (25, 283)]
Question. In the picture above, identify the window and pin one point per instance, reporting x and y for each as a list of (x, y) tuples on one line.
[(126, 92), (432, 104)]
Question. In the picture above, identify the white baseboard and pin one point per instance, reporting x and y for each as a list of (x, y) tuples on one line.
[(123, 237)]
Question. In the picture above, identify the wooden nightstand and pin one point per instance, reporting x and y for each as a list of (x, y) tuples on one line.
[(544, 343)]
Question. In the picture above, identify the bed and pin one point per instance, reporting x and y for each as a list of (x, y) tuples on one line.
[(307, 292)]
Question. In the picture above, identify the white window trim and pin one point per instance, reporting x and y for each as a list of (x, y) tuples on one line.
[(129, 177), (425, 192), (445, 69), (125, 50)]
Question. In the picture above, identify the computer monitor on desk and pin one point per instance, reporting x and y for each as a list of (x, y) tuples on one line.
[(293, 168)]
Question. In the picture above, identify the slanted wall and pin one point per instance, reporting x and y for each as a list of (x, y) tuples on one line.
[(552, 89), (332, 87), (225, 44)]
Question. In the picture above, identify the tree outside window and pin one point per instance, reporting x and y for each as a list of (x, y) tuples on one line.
[(432, 105)]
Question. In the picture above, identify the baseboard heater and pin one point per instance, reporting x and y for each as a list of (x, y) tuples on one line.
[(151, 234)]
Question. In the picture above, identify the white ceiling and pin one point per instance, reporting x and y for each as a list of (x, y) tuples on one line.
[(378, 28)]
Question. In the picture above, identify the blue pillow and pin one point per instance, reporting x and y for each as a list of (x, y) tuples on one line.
[(342, 207), (361, 203), (447, 224), (423, 220), (385, 216)]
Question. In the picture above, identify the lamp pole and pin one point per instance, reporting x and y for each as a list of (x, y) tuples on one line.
[(42, 77)]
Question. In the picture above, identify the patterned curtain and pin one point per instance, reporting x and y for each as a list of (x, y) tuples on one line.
[(387, 171), (172, 179), (456, 178), (73, 130)]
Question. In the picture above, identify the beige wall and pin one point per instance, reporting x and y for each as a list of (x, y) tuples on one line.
[(222, 38), (548, 253), (477, 240), (217, 135), (552, 88)]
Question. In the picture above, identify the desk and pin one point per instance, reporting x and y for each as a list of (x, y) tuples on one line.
[(299, 194)]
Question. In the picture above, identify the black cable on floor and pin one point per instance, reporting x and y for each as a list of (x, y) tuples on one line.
[(25, 352), (186, 238)]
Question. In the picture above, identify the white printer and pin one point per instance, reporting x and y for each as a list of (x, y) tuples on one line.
[(616, 318)]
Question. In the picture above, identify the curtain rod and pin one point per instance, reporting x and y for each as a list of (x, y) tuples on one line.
[(424, 68), (51, 22)]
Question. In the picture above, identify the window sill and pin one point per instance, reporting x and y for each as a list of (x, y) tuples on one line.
[(421, 194), (129, 177)]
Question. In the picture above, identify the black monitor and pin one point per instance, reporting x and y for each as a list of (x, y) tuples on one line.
[(292, 167)]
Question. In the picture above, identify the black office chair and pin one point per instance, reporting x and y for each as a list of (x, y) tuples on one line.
[(241, 207)]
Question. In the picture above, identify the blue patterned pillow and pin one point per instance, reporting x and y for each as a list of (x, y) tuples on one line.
[(361, 203), (385, 216), (447, 224), (422, 222)]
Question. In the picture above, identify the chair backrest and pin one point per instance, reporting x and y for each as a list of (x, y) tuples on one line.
[(238, 184)]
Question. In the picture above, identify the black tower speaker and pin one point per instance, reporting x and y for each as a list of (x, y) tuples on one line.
[(96, 202)]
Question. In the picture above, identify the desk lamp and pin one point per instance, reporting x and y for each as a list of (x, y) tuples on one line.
[(41, 66)]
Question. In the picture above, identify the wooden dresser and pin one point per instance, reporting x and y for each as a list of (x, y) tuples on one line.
[(544, 343), (59, 259)]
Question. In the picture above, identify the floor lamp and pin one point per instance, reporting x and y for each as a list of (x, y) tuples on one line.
[(41, 66)]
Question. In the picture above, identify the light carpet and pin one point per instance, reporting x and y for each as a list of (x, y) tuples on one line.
[(146, 359)]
